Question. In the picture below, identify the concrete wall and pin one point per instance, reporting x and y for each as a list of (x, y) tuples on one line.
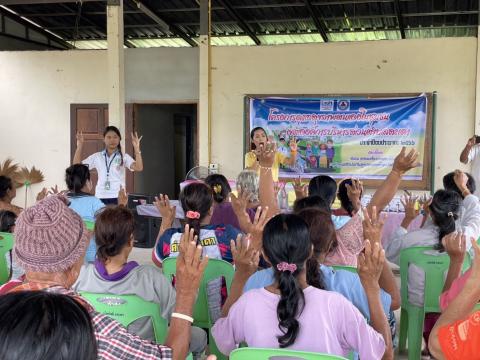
[(37, 88)]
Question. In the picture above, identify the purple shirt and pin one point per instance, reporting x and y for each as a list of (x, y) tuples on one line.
[(223, 214), (329, 323)]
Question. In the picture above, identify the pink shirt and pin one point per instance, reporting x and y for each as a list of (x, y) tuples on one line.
[(350, 243), (329, 323), (448, 296)]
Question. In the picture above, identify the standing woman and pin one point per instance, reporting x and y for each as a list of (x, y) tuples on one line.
[(259, 137), (109, 163)]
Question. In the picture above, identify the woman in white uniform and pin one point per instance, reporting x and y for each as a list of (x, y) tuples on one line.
[(110, 163)]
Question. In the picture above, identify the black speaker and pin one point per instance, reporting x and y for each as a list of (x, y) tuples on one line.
[(146, 227)]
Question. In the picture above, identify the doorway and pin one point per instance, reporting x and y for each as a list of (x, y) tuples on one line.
[(169, 146)]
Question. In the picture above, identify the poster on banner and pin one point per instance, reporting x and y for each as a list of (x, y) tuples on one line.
[(347, 136)]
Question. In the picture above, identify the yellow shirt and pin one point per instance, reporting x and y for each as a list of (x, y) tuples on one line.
[(251, 159)]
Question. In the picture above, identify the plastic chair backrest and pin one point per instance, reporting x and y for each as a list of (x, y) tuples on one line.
[(216, 268), (434, 266), (265, 354), (128, 308), (6, 244), (352, 269), (90, 225)]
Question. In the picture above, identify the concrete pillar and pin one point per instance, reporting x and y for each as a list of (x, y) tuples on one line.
[(116, 66), (204, 112)]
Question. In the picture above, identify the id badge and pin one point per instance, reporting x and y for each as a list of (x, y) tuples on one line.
[(107, 185)]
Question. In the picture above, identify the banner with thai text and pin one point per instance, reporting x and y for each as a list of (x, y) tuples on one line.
[(343, 136)]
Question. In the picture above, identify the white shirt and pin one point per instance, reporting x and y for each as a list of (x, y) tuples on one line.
[(474, 158), (116, 176)]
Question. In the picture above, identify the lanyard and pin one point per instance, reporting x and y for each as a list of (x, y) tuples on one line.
[(109, 165)]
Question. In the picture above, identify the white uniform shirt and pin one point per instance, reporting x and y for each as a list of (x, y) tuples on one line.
[(116, 175), (474, 158)]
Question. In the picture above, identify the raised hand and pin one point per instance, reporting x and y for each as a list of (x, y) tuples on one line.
[(372, 227), (257, 226), (471, 142), (122, 197), (136, 141), (405, 162), (240, 203), (354, 193), (370, 265), (409, 203), (301, 190), (42, 194), (245, 256), (476, 262), (167, 212), (278, 186), (455, 245), (80, 139), (190, 265), (266, 154)]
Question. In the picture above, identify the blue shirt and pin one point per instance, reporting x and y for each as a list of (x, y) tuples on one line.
[(340, 221), (86, 206), (342, 281)]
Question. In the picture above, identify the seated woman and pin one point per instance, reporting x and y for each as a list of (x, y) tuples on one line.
[(444, 211), (8, 191), (50, 244), (82, 201), (323, 240), (42, 325), (7, 224), (223, 212), (290, 313), (112, 273)]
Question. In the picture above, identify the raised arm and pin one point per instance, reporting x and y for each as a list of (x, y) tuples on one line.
[(77, 157), (266, 157), (455, 246), (466, 150), (167, 214), (385, 193), (246, 260), (372, 230), (370, 267), (190, 268), (293, 152), (411, 211), (138, 164)]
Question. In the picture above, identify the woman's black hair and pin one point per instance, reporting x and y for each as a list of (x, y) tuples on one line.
[(220, 187), (444, 211), (76, 176), (119, 146), (114, 227), (5, 185), (286, 239), (252, 134), (323, 186), (343, 196), (196, 197), (314, 201), (7, 220), (449, 183), (44, 325)]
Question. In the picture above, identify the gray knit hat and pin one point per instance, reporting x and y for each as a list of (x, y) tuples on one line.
[(49, 236)]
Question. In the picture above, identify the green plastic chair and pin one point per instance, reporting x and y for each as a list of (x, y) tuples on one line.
[(90, 225), (216, 268), (266, 354), (128, 308), (411, 316), (6, 244), (352, 269)]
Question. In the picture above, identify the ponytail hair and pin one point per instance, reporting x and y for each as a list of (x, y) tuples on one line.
[(76, 176), (444, 210), (286, 244), (119, 146), (343, 196), (220, 187), (196, 200)]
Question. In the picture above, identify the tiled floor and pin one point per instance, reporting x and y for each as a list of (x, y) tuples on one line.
[(144, 257)]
